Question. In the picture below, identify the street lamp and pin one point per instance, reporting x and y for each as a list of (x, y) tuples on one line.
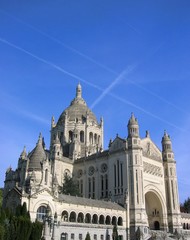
[(50, 225)]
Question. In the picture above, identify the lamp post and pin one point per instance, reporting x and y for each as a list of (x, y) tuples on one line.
[(50, 225)]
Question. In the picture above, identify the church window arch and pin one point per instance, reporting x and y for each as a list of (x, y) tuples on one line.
[(41, 213), (108, 220), (72, 217), (64, 216), (88, 218), (80, 218), (183, 225), (118, 177), (101, 219), (95, 219), (95, 138), (70, 136), (120, 221), (82, 136), (98, 139), (91, 137), (46, 176), (114, 221)]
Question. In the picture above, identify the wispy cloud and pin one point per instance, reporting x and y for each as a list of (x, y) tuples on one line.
[(94, 61), (146, 112), (9, 102), (112, 85), (49, 63), (88, 83)]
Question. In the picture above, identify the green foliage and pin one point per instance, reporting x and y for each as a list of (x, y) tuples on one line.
[(115, 233), (1, 196), (87, 236), (36, 233), (186, 205), (19, 225), (70, 187), (2, 232)]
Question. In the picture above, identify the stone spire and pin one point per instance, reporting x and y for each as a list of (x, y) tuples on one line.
[(133, 127), (79, 91), (37, 156), (23, 154), (166, 143)]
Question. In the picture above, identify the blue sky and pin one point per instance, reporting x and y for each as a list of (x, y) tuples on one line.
[(129, 56)]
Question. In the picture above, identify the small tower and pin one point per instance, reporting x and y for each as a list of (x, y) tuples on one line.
[(135, 171), (22, 166), (171, 186), (79, 91)]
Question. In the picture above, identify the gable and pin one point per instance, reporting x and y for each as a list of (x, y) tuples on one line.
[(117, 144), (43, 192), (150, 149)]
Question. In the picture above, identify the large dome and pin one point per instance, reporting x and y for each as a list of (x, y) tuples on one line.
[(78, 110)]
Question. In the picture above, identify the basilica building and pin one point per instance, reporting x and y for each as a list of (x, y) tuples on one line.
[(131, 185)]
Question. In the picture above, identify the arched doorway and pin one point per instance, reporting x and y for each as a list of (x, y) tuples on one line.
[(154, 211), (156, 225)]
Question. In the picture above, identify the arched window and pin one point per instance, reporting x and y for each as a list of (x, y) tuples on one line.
[(108, 220), (80, 218), (91, 137), (95, 219), (82, 136), (184, 226), (64, 216), (95, 138), (114, 221), (87, 218), (101, 219), (120, 221), (41, 212), (70, 136), (72, 217), (46, 176)]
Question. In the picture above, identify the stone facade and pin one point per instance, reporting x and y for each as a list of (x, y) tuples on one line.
[(131, 185)]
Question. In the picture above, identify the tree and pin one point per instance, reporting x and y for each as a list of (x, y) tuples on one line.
[(1, 196), (87, 236), (69, 186), (19, 225), (36, 233), (115, 235), (186, 205)]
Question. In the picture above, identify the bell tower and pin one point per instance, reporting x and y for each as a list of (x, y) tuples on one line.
[(171, 186), (136, 191)]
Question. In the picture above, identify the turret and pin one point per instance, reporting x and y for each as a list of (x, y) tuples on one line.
[(133, 132), (133, 127), (136, 190), (167, 151), (171, 186), (57, 149), (53, 122), (22, 166), (79, 91)]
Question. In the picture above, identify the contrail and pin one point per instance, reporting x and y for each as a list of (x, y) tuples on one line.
[(60, 42), (108, 89), (86, 82), (49, 63), (145, 111), (94, 61)]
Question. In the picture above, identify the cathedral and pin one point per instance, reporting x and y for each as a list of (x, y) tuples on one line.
[(132, 185)]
